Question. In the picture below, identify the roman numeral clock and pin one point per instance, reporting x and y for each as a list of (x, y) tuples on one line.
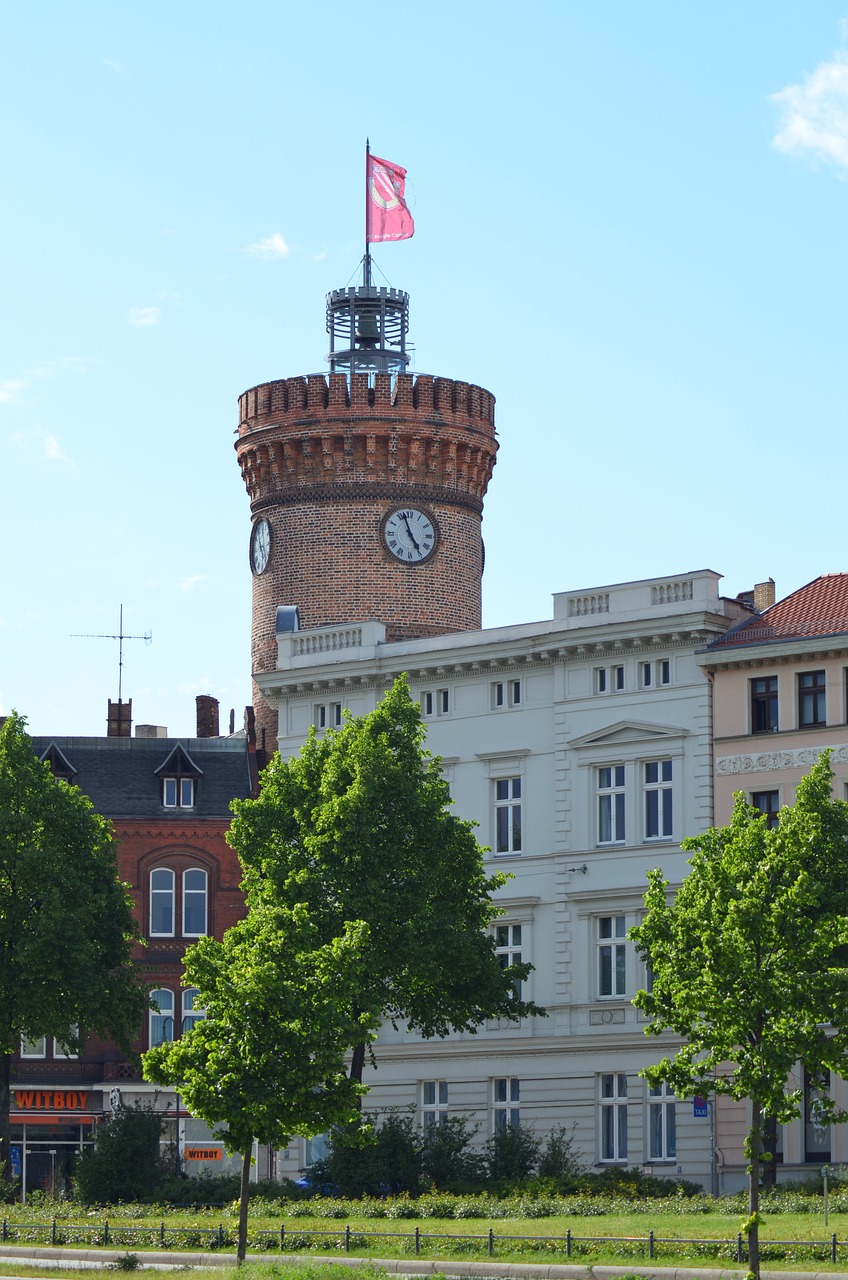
[(366, 487)]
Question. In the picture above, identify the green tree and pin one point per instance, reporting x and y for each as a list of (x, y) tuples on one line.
[(748, 961), (268, 1059), (66, 924), (358, 827), (126, 1163)]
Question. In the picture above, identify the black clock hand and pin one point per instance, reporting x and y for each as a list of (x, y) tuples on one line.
[(411, 534)]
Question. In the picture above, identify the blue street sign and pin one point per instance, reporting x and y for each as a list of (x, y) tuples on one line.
[(16, 1161), (700, 1108)]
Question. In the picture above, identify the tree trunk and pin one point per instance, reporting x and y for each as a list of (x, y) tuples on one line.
[(5, 1125), (769, 1155), (357, 1063), (245, 1192), (755, 1139)]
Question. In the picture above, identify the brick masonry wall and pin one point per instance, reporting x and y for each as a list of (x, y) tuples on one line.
[(325, 463)]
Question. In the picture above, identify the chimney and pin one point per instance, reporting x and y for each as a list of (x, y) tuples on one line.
[(151, 731), (764, 595), (207, 716), (119, 720)]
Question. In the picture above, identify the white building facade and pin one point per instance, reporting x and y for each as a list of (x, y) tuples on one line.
[(582, 747)]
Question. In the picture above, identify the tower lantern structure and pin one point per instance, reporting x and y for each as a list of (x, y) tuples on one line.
[(366, 488)]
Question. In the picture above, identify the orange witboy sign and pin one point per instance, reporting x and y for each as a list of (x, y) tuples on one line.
[(203, 1153), (50, 1099)]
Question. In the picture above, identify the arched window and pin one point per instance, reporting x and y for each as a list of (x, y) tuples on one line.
[(162, 903), (192, 1013), (161, 1016), (194, 903)]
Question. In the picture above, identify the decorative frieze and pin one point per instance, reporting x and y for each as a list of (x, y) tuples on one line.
[(759, 762)]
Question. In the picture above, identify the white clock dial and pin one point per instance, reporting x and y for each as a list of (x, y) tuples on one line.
[(409, 535), (260, 545)]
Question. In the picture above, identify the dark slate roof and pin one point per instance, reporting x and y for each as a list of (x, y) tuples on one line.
[(122, 776), (818, 609)]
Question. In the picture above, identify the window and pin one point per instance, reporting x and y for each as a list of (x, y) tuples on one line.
[(658, 800), (611, 804), (609, 679), (662, 1126), (506, 693), (764, 704), (612, 956), (816, 1127), (435, 702), (192, 1013), (63, 1051), (327, 715), (647, 675), (434, 1103), (811, 699), (614, 1116), (178, 793), (161, 1016), (508, 948), (194, 903), (162, 903), (34, 1048), (506, 1095), (508, 815), (768, 802)]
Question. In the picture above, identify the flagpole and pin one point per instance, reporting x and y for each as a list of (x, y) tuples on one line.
[(366, 261)]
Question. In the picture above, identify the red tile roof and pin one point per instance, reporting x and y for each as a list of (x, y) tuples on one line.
[(818, 609)]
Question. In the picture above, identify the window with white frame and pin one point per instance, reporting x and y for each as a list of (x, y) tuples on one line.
[(162, 894), (192, 1012), (506, 693), (609, 679), (434, 1103), (508, 815), (613, 1116), (508, 948), (161, 1016), (611, 804), (33, 1046), (658, 799), (506, 1096), (435, 702), (178, 793), (662, 1123), (62, 1050), (327, 715), (194, 902), (612, 955)]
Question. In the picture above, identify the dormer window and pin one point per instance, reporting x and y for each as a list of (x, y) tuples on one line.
[(178, 793)]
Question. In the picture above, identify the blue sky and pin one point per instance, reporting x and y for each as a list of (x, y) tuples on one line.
[(630, 227)]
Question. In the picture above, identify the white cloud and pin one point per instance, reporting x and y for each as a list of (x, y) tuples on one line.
[(814, 115), (51, 449), (273, 246), (188, 584), (11, 390), (39, 443), (144, 315)]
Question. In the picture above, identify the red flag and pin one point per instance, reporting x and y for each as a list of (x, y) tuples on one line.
[(387, 215)]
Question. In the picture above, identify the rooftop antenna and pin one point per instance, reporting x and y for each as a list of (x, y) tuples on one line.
[(120, 637)]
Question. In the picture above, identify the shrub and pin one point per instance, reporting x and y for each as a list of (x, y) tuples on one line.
[(512, 1153), (126, 1162)]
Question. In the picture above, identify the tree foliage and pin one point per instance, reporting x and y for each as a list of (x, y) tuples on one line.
[(268, 1059), (66, 924), (127, 1162), (748, 960), (358, 827)]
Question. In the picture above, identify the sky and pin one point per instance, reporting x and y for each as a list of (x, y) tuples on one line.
[(630, 227)]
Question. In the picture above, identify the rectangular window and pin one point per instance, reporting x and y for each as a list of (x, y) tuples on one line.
[(62, 1051), (435, 702), (658, 800), (614, 1116), (162, 895), (434, 1103), (664, 671), (327, 715), (508, 815), (816, 1128), (178, 793), (662, 1124), (612, 956), (811, 699), (647, 675), (609, 679), (508, 948), (764, 704), (505, 693), (600, 680), (506, 1095), (194, 903), (768, 802), (611, 804), (618, 678), (35, 1048)]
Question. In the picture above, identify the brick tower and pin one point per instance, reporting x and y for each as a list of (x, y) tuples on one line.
[(366, 487)]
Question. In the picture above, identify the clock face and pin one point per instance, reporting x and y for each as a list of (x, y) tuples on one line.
[(409, 535), (260, 546)]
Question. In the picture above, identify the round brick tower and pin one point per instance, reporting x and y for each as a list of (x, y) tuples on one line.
[(366, 488)]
